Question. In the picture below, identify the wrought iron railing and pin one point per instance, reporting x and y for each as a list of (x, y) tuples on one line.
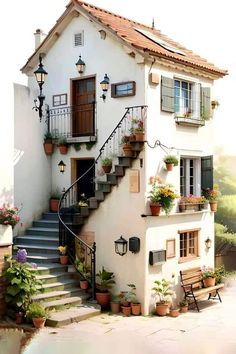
[(69, 220), (73, 121)]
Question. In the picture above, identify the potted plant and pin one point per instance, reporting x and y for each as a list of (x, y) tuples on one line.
[(163, 290), (115, 303), (183, 306), (138, 129), (212, 195), (161, 196), (192, 203), (63, 146), (21, 285), (174, 312), (63, 256), (209, 277), (170, 161), (103, 285), (106, 164), (48, 144), (127, 148), (85, 272), (37, 313), (54, 200)]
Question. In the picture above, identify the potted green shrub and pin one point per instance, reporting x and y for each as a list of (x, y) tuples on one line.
[(209, 277), (212, 195), (183, 304), (48, 143), (63, 145), (106, 164), (170, 161), (37, 313), (127, 148), (103, 285), (22, 284), (85, 272), (54, 200), (163, 290), (115, 303)]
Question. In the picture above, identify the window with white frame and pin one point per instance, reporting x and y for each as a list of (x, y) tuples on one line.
[(183, 98)]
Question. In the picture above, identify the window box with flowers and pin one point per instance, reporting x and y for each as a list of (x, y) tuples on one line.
[(212, 195), (161, 196), (8, 219), (192, 203)]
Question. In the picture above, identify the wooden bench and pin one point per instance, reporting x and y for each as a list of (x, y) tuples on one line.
[(192, 284)]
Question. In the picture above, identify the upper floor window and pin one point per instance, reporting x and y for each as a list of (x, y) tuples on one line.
[(188, 100)]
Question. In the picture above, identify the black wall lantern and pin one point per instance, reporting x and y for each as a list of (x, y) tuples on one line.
[(40, 74), (104, 86), (121, 246), (208, 243), (80, 65), (61, 166)]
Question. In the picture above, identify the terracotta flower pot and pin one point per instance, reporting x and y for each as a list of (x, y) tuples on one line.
[(126, 310), (155, 209), (54, 205), (107, 168), (174, 312), (103, 299), (64, 259), (48, 148), (162, 309), (83, 284), (209, 282), (127, 148), (39, 322), (115, 306), (135, 309), (184, 309), (213, 206), (139, 136), (169, 166), (63, 149)]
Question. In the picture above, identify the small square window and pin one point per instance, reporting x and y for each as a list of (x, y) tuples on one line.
[(123, 89), (59, 100)]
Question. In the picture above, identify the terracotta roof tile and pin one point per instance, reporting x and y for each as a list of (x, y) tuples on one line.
[(126, 29)]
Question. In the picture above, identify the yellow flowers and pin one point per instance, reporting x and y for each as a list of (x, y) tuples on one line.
[(62, 249)]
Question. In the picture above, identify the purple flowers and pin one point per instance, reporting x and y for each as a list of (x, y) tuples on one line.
[(21, 256)]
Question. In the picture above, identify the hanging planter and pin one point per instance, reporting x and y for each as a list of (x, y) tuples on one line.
[(171, 161)]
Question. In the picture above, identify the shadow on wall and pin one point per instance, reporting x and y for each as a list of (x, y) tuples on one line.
[(6, 196)]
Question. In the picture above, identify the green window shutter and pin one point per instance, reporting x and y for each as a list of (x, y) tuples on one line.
[(207, 172), (205, 103), (167, 94)]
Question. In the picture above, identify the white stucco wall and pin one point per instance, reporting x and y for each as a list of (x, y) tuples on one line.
[(32, 171)]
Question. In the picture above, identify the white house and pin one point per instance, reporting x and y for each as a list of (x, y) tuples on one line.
[(168, 88)]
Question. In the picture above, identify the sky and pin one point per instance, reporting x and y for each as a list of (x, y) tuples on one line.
[(205, 26)]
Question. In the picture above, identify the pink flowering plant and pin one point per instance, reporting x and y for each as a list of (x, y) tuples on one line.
[(192, 199), (212, 195), (9, 215), (163, 194)]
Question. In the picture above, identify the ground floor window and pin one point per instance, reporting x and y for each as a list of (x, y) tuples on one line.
[(188, 244)]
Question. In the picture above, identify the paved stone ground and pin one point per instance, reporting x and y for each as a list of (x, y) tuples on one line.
[(212, 331)]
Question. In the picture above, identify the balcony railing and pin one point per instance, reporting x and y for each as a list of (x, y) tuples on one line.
[(73, 121)]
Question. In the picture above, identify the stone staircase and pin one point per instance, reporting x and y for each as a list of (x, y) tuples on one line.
[(61, 287)]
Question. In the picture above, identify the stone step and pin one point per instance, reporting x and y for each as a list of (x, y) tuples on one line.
[(42, 231), (50, 216), (119, 170), (99, 195), (93, 203), (51, 250), (137, 146), (50, 224), (42, 258), (56, 295), (54, 278), (62, 303), (37, 240), (104, 187), (51, 269), (77, 314), (65, 284), (112, 178), (125, 161)]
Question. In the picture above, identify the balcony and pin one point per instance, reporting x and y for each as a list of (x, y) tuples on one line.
[(76, 123)]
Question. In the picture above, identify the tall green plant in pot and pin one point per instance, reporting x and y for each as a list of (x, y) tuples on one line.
[(105, 281), (163, 290), (22, 284)]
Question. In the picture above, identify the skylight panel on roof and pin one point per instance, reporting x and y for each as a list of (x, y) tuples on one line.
[(159, 41)]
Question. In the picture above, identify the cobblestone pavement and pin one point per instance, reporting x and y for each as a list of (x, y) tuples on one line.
[(212, 331)]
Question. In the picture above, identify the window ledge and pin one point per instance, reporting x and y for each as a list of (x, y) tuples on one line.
[(190, 121), (188, 259), (188, 212)]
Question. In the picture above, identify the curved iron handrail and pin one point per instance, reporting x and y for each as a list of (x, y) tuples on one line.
[(63, 228)]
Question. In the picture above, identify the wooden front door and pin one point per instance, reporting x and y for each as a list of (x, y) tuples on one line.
[(83, 102)]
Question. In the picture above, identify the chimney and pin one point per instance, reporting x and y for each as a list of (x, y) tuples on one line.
[(39, 37)]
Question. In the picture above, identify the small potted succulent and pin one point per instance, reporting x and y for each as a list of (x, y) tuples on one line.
[(183, 304), (37, 313), (106, 164), (63, 256), (170, 161)]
